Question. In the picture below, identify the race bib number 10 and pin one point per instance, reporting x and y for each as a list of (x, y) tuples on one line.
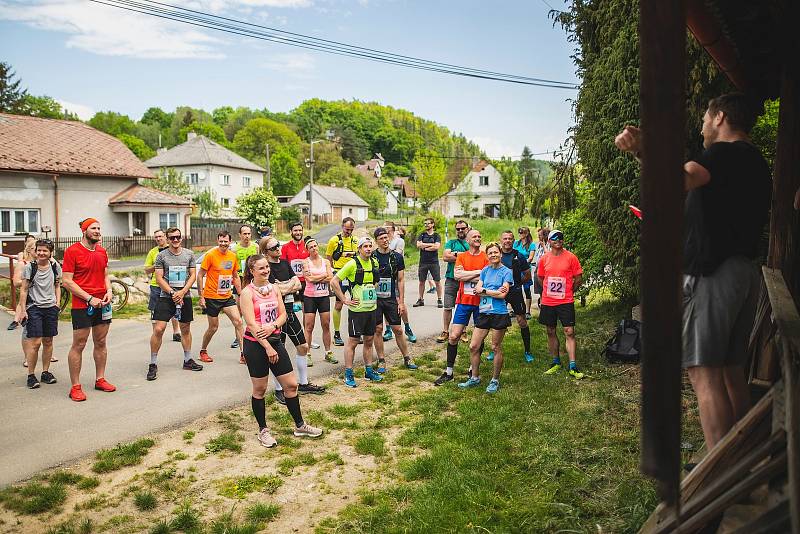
[(384, 288), (556, 287)]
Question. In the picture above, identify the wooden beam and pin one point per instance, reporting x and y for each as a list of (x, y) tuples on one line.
[(662, 102)]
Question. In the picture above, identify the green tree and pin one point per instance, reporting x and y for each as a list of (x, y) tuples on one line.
[(208, 129), (45, 107), (182, 117), (206, 202), (137, 146), (113, 123), (392, 170), (343, 175), (765, 131), (354, 148), (429, 171), (221, 115), (151, 134), (285, 172), (466, 196), (169, 180), (157, 116), (258, 207), (11, 94), (251, 140)]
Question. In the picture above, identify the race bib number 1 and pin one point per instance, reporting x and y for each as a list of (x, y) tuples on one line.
[(176, 276), (224, 284), (556, 287), (384, 288), (469, 288)]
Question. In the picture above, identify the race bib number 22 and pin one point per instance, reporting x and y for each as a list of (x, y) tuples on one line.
[(556, 287)]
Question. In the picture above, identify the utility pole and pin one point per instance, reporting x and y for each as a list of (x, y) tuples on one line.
[(269, 174), (311, 190)]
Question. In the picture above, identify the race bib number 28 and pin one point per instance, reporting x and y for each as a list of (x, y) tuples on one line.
[(556, 287), (224, 284)]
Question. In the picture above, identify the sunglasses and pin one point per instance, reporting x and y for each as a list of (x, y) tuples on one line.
[(557, 238), (276, 247), (175, 237), (461, 227)]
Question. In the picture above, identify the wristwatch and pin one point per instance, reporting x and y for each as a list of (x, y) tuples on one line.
[(274, 326), (171, 292)]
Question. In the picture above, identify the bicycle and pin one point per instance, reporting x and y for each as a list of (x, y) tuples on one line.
[(120, 293)]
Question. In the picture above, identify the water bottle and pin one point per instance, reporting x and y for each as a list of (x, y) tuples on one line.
[(178, 311)]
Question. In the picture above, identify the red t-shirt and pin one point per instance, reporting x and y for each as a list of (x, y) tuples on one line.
[(88, 268), (466, 290), (295, 253), (558, 272)]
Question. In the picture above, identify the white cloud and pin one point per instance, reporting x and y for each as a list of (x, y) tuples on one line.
[(296, 65), (83, 112)]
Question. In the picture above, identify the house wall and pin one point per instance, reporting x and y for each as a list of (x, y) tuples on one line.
[(487, 195), (391, 203)]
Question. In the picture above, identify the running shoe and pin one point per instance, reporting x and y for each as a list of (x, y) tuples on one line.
[(439, 303), (310, 388), (470, 383), (32, 382), (410, 365), (410, 335), (494, 385), (442, 379), (12, 325), (309, 361), (241, 359), (388, 335), (266, 439), (431, 291), (53, 359), (337, 339), (490, 356), (381, 367), (528, 357), (573, 372), (556, 367), (307, 431), (280, 397), (418, 304), (349, 379), (512, 314), (25, 363), (314, 345), (152, 371), (76, 393), (528, 316), (443, 337), (464, 338), (191, 365), (103, 385), (330, 358), (360, 340), (370, 374), (204, 357), (48, 378), (235, 344), (176, 337)]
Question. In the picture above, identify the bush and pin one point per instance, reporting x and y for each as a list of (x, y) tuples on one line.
[(290, 214)]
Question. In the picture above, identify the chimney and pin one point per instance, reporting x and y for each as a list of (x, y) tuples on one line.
[(190, 136)]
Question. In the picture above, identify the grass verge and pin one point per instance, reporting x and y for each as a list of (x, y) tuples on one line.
[(122, 455)]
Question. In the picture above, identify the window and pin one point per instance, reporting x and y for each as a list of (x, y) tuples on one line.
[(349, 211), (19, 221), (192, 178), (225, 179), (308, 195), (167, 220), (225, 202), (245, 181), (484, 180)]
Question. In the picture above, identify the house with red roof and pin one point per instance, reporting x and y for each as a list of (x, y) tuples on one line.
[(55, 173)]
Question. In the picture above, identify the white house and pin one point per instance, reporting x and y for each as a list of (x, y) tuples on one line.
[(392, 202), (480, 188), (209, 165), (332, 203), (55, 173)]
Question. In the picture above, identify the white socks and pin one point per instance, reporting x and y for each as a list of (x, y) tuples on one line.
[(302, 369)]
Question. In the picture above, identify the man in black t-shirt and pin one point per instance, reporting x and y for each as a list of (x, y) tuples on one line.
[(428, 244), (727, 204)]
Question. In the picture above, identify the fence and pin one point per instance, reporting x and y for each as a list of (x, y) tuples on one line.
[(117, 246)]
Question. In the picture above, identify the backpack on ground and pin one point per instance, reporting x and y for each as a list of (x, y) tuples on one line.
[(625, 346)]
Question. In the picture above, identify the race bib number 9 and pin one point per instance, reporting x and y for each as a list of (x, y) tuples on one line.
[(469, 288), (556, 287), (384, 288), (268, 312), (297, 267), (176, 276), (224, 284), (368, 295)]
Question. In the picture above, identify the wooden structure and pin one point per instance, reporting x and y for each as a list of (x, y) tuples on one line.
[(757, 45)]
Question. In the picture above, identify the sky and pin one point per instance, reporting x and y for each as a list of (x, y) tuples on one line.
[(92, 57)]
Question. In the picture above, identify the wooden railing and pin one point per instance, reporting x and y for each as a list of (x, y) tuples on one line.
[(10, 278)]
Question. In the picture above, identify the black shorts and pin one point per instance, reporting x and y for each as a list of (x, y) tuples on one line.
[(361, 323), (387, 308), (316, 304), (81, 319), (214, 306), (429, 268), (516, 300), (165, 310), (492, 321), (292, 328), (563, 312), (42, 322), (258, 363)]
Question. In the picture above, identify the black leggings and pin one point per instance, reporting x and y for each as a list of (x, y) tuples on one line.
[(527, 290), (258, 363)]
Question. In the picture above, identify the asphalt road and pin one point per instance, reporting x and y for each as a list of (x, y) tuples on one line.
[(43, 428)]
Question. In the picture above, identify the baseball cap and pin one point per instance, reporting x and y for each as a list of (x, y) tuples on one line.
[(364, 240), (556, 235), (379, 231)]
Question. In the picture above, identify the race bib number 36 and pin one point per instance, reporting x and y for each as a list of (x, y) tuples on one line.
[(268, 312), (556, 287), (384, 288)]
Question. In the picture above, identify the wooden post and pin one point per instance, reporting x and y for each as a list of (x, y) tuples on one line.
[(662, 100)]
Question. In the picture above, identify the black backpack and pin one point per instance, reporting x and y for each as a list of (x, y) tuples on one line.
[(625, 346), (358, 279), (35, 269)]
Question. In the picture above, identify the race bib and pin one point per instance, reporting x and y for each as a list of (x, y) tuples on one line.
[(384, 288), (106, 313), (368, 295), (485, 305), (176, 276), (297, 267), (317, 289), (556, 287), (288, 298), (469, 287), (268, 312), (224, 284)]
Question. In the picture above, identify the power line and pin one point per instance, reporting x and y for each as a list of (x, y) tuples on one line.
[(256, 31)]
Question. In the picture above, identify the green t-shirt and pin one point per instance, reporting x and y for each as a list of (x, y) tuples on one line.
[(242, 253), (365, 293), (454, 245), (149, 261)]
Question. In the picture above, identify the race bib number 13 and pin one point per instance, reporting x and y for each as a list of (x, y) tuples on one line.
[(297, 267), (556, 287)]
